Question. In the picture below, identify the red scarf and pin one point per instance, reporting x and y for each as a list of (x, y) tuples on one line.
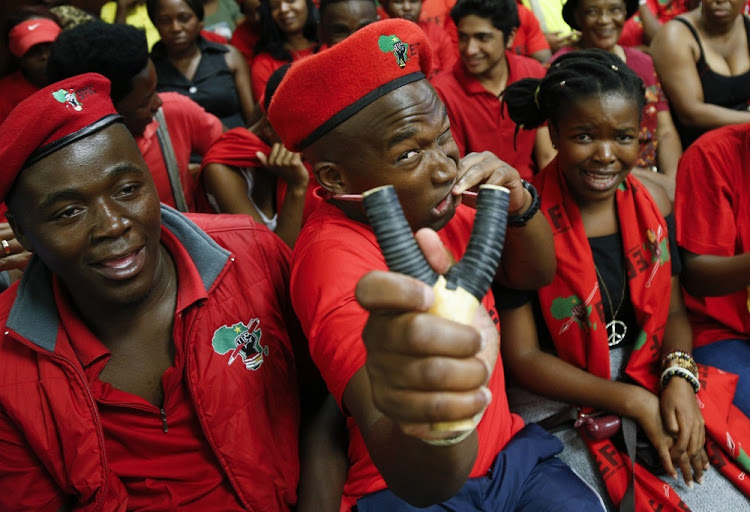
[(573, 312)]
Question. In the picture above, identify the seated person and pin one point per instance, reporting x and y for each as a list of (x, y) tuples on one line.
[(249, 171), (130, 12), (549, 15), (614, 312), (341, 18), (119, 52), (289, 33), (713, 231), (388, 126), (660, 143), (28, 36), (246, 35), (133, 333), (444, 48), (652, 14), (213, 75), (703, 61), (472, 92)]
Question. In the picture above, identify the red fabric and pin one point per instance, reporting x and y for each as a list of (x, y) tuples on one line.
[(32, 32), (238, 148), (263, 67), (477, 121), (529, 36), (372, 60), (664, 10), (444, 50), (573, 311), (249, 418), (191, 130), (712, 212), (656, 101), (438, 12), (15, 88), (244, 38), (160, 470), (341, 251), (56, 111)]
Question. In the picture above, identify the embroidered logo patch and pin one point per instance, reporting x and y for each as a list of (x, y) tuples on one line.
[(572, 310), (392, 44), (243, 341), (68, 97)]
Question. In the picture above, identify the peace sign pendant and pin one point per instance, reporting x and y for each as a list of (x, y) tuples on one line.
[(616, 331)]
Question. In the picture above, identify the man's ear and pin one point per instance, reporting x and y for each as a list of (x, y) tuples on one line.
[(330, 178), (18, 231)]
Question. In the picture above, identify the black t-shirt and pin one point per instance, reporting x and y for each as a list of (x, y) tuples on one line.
[(610, 261)]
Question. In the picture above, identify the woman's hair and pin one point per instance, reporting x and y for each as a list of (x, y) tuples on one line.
[(195, 5), (573, 76), (272, 38), (503, 14)]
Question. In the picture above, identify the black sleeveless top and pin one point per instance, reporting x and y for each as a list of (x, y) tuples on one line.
[(722, 90)]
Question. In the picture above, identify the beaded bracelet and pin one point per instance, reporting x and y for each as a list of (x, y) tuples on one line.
[(689, 365), (670, 372), (678, 354)]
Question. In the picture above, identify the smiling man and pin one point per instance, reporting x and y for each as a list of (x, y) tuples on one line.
[(141, 346), (473, 90), (386, 125)]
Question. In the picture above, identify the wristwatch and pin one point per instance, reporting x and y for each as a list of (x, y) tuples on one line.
[(517, 221)]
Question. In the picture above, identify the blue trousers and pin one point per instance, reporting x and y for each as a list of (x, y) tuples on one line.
[(732, 356), (525, 477)]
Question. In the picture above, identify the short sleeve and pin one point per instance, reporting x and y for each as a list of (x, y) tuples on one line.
[(24, 483)]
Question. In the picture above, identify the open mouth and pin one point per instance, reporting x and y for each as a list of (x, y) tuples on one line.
[(600, 181), (443, 206), (123, 267)]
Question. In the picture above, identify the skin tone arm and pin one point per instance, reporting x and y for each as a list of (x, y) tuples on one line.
[(651, 24), (544, 152), (667, 155), (543, 56), (675, 52), (420, 369), (556, 40), (528, 261), (707, 275), (123, 8), (324, 462), (238, 66)]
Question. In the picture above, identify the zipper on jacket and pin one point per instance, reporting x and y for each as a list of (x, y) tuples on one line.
[(164, 420)]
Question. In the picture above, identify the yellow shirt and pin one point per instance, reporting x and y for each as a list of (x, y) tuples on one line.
[(549, 14), (137, 17)]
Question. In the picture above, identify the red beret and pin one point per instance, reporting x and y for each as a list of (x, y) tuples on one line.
[(50, 119), (32, 32), (324, 90)]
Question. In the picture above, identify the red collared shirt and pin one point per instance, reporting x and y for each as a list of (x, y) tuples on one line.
[(161, 470)]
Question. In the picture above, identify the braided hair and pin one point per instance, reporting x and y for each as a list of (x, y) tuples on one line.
[(573, 76)]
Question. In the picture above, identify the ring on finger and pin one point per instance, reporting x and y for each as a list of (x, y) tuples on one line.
[(6, 247)]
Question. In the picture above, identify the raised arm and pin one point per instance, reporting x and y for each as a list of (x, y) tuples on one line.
[(675, 53)]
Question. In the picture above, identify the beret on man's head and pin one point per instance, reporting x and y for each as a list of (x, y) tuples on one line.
[(50, 119), (322, 91)]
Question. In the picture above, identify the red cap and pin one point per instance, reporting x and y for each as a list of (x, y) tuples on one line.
[(324, 90), (50, 119), (30, 32)]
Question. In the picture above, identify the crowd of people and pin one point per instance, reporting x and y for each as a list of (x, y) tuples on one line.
[(198, 314)]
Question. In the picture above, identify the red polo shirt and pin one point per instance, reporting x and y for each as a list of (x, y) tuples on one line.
[(14, 88), (479, 122), (161, 470), (529, 36)]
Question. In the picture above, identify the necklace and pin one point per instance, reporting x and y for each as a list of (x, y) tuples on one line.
[(616, 329)]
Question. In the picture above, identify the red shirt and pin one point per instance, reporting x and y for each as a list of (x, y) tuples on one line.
[(331, 254), (444, 49), (163, 470), (263, 67), (244, 38), (479, 123), (529, 36), (712, 213), (191, 130), (14, 88)]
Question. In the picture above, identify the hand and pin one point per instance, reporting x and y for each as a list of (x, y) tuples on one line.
[(15, 257), (422, 368), (480, 168), (682, 418), (557, 41), (285, 164), (648, 416), (128, 4)]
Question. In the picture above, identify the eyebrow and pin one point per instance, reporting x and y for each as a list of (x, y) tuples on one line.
[(74, 193)]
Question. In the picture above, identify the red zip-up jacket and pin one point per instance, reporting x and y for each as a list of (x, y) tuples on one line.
[(250, 417)]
